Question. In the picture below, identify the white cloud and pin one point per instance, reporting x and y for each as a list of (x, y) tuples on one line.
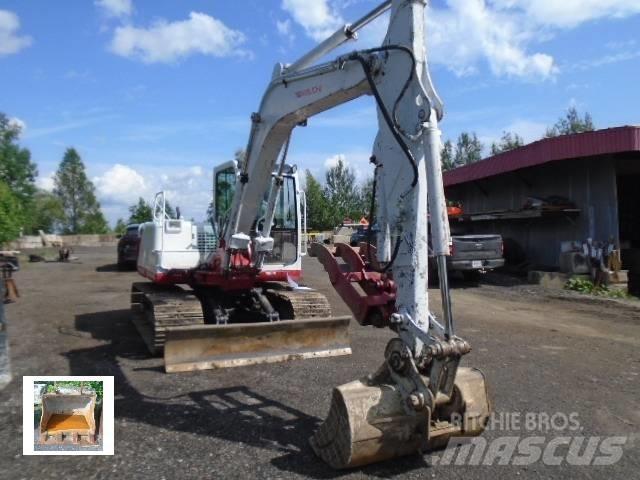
[(67, 125), (81, 75), (121, 184), (317, 18), (470, 31), (45, 182), (15, 122), (333, 160), (466, 33), (529, 130), (571, 13), (606, 60), (10, 41), (284, 30), (284, 27), (356, 160), (166, 42), (622, 44), (501, 32), (116, 8)]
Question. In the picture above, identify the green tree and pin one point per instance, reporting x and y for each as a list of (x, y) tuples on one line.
[(94, 222), (77, 194), (169, 210), (570, 123), (96, 386), (468, 149), (366, 191), (11, 217), (143, 211), (17, 170), (140, 212), (121, 227), (318, 215), (447, 156), (508, 141), (46, 213), (342, 192)]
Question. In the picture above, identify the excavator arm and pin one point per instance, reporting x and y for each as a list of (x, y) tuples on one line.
[(419, 397)]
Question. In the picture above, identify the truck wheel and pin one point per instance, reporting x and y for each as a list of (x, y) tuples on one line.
[(122, 265)]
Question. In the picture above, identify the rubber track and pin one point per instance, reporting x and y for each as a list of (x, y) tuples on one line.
[(155, 307), (304, 303)]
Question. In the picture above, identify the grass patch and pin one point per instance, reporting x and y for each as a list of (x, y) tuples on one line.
[(587, 287)]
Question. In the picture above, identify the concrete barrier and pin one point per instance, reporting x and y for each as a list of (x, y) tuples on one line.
[(34, 241), (26, 241), (108, 240)]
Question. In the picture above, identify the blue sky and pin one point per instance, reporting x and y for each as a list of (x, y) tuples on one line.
[(154, 93)]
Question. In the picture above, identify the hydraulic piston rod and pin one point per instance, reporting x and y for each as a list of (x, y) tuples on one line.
[(341, 36)]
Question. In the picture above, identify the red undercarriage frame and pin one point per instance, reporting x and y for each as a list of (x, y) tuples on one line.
[(241, 276), (346, 268)]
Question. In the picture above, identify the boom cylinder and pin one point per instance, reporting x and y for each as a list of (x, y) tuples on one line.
[(341, 36), (439, 220)]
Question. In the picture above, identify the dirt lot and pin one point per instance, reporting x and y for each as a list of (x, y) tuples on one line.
[(541, 354)]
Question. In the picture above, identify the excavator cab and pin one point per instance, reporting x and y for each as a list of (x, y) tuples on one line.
[(289, 224)]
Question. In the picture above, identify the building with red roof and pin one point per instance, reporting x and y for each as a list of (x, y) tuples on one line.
[(566, 188)]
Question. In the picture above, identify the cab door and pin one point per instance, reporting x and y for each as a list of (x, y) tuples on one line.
[(225, 176)]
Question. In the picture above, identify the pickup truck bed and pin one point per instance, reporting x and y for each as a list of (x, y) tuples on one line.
[(471, 254)]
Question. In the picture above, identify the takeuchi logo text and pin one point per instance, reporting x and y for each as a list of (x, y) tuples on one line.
[(309, 91)]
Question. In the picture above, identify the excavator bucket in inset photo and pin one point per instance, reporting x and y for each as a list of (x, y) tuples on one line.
[(67, 418), (201, 347)]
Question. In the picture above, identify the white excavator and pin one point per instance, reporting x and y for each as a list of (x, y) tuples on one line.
[(420, 396)]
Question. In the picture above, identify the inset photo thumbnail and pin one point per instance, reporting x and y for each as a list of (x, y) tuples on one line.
[(67, 415)]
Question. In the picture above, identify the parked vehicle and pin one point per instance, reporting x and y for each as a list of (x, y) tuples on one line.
[(361, 234), (472, 255), (128, 247)]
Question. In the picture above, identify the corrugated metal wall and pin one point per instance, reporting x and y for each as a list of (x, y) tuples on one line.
[(590, 183)]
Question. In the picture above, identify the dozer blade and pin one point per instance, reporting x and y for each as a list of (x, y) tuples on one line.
[(368, 422), (201, 347)]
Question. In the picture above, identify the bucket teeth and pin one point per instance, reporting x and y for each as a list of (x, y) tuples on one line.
[(332, 441)]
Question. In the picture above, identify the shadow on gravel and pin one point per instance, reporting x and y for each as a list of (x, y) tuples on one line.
[(111, 267), (234, 414), (496, 278)]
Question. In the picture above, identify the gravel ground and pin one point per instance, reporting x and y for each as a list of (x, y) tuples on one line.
[(541, 354)]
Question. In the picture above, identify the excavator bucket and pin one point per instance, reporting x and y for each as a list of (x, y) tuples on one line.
[(201, 347), (368, 421), (67, 418)]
